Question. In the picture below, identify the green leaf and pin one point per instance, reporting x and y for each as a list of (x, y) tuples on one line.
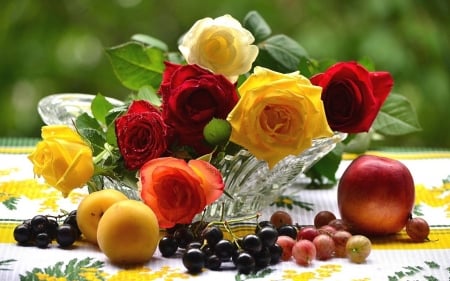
[(100, 107), (136, 65), (176, 57), (432, 264), (114, 113), (84, 120), (150, 41), (6, 263), (95, 138), (396, 117), (11, 203), (149, 93), (111, 135), (254, 23), (308, 67), (254, 275), (281, 53), (367, 63), (110, 118)]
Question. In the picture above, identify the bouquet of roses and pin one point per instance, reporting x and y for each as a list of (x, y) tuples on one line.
[(230, 86)]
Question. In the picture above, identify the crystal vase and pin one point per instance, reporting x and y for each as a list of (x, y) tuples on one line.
[(253, 186), (64, 108)]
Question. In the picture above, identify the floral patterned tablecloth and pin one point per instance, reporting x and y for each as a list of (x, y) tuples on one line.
[(393, 258)]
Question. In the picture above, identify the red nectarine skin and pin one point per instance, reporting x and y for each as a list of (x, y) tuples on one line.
[(375, 195)]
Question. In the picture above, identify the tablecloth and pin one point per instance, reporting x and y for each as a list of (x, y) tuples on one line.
[(392, 258)]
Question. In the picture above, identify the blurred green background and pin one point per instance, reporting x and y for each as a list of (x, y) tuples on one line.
[(50, 46)]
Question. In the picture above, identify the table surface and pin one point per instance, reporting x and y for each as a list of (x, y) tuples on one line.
[(392, 258)]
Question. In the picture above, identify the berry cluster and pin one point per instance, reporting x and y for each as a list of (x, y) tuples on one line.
[(41, 230), (206, 247), (328, 237)]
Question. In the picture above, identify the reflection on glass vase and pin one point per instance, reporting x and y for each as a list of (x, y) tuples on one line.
[(253, 186)]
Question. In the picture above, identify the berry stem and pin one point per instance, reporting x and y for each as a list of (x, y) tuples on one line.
[(227, 224)]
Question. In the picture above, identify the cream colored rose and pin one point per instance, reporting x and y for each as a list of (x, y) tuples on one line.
[(220, 45), (62, 158), (277, 115)]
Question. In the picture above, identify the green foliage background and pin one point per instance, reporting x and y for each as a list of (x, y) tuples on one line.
[(50, 46)]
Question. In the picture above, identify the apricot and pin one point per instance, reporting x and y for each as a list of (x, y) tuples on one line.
[(91, 209), (128, 233)]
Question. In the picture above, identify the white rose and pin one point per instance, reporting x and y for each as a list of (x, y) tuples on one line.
[(220, 45)]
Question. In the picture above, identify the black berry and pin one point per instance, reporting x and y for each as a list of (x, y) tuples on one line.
[(66, 235), (22, 234), (245, 263), (194, 260), (167, 246)]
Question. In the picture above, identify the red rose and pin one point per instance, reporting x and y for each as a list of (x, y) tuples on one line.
[(141, 134), (352, 96), (192, 96), (177, 190)]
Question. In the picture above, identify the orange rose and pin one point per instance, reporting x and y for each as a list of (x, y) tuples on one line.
[(177, 190)]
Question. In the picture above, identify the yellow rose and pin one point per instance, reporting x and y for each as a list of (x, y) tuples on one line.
[(277, 115), (62, 158), (220, 45)]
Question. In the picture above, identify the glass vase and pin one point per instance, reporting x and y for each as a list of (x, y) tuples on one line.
[(253, 186), (64, 108)]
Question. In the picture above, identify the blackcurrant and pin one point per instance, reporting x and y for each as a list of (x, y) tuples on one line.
[(262, 224), (39, 223), (194, 260), (197, 228), (22, 233), (167, 246), (251, 243), (245, 263), (288, 230), (72, 220), (171, 231), (212, 235), (224, 249), (275, 253), (183, 236), (66, 235), (268, 235), (262, 258), (208, 250), (51, 229), (213, 262), (194, 244), (236, 253), (42, 240)]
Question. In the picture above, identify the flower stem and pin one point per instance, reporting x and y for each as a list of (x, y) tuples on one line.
[(104, 154)]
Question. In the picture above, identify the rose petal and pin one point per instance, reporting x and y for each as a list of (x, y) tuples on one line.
[(179, 194), (211, 179)]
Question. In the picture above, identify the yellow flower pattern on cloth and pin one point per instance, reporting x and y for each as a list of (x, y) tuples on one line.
[(62, 158), (165, 273), (277, 115), (89, 269), (31, 189), (434, 197), (323, 272)]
